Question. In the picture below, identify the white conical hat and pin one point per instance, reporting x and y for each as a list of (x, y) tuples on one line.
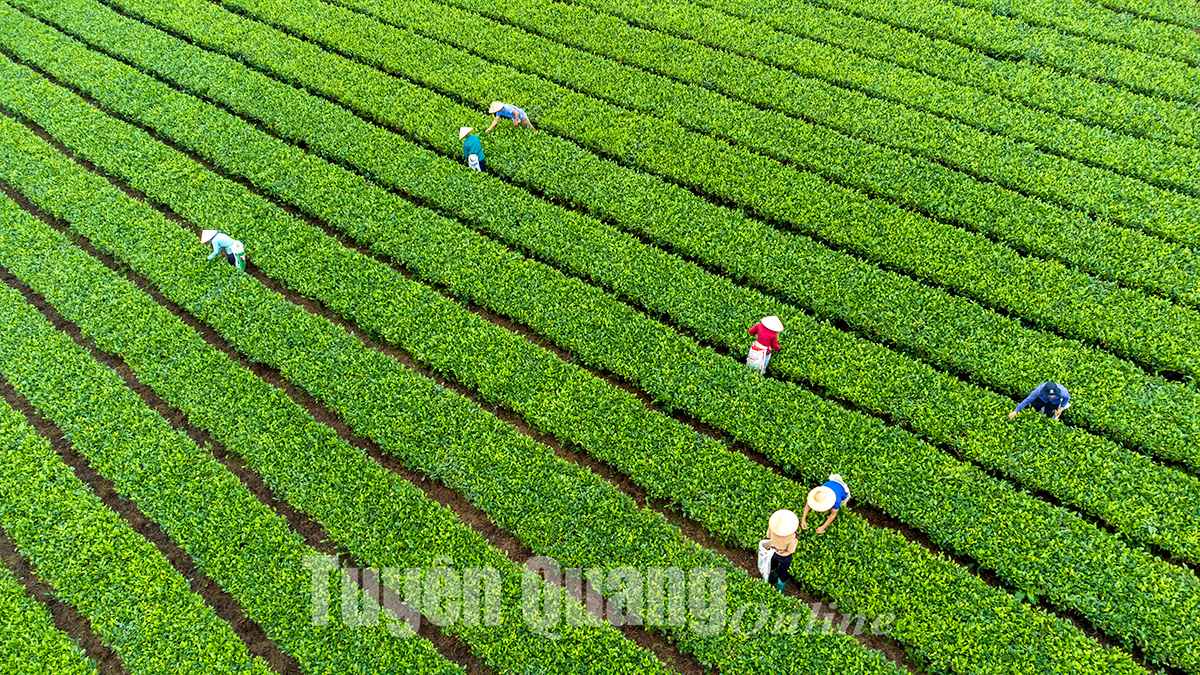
[(495, 107), (463, 131), (773, 323), (206, 235), (783, 523), (821, 498)]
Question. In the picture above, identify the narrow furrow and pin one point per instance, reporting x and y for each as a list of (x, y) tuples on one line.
[(355, 190), (926, 188), (877, 57), (738, 522), (852, 295), (134, 599), (1088, 20), (314, 533), (261, 243), (530, 471), (853, 94), (222, 604), (38, 632), (1006, 39), (1177, 12), (1151, 331)]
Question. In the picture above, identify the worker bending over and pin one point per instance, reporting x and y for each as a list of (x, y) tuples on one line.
[(1050, 399), (766, 342), (507, 111), (235, 253), (828, 496)]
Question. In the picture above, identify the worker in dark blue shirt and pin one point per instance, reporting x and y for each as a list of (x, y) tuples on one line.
[(828, 496), (1050, 399)]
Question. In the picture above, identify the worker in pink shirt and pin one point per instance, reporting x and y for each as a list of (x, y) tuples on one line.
[(766, 342)]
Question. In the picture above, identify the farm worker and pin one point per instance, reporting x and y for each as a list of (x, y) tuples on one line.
[(1050, 399), (826, 496), (766, 342), (511, 112), (781, 530), (235, 253), (472, 149)]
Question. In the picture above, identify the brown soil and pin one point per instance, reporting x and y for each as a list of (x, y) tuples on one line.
[(66, 618), (468, 512), (449, 646), (874, 516), (222, 603)]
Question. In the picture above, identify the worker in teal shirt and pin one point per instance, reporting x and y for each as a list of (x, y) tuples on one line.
[(472, 149)]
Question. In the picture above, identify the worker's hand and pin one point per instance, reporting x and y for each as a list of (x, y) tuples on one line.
[(1058, 413), (803, 525), (1012, 414), (821, 530), (515, 122)]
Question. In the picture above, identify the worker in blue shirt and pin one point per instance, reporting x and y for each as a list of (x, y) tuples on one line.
[(1050, 399), (235, 253), (828, 496), (507, 111), (472, 149)]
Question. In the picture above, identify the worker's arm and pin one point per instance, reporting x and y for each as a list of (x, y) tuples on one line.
[(832, 515), (1058, 413), (804, 518), (1027, 401), (215, 249), (495, 121)]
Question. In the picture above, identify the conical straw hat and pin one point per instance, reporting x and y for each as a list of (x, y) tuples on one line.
[(783, 523), (773, 323), (495, 107), (206, 235), (820, 498), (463, 131)]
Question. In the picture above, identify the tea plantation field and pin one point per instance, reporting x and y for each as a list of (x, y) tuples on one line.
[(500, 422)]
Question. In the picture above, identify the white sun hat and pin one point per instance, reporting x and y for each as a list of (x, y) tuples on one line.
[(821, 498), (206, 235), (838, 477), (495, 107), (783, 523), (773, 323), (463, 131)]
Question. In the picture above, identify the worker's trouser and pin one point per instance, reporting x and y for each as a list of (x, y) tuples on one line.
[(1044, 407), (476, 162), (524, 121), (779, 569), (238, 260)]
